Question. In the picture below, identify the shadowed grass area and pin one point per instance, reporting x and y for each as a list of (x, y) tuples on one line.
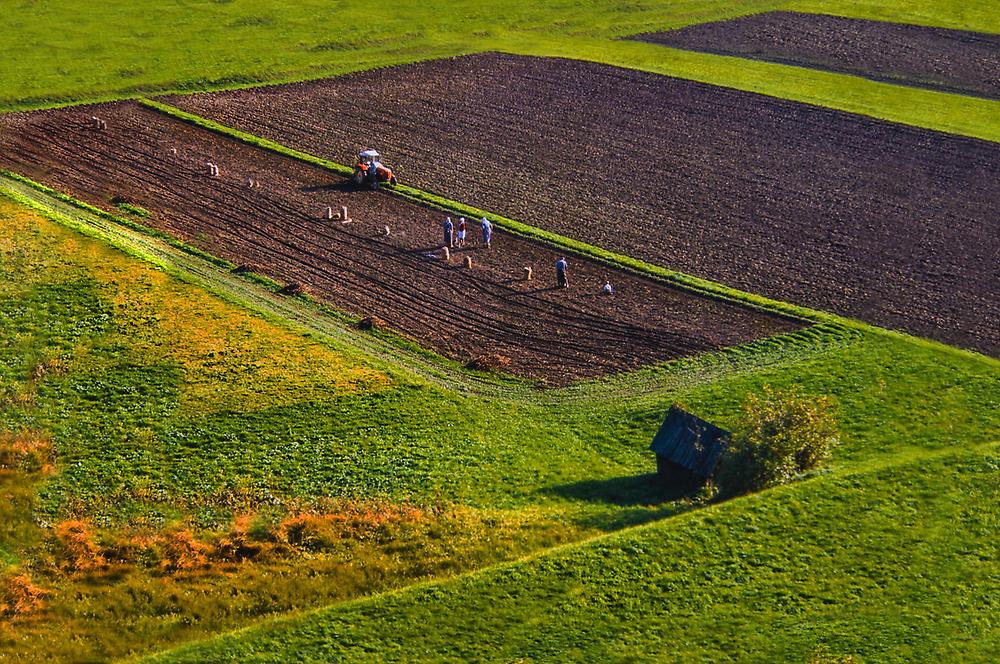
[(894, 565)]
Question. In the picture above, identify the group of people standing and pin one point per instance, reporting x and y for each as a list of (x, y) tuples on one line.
[(453, 240)]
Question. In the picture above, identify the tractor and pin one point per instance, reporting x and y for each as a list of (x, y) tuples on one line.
[(372, 172)]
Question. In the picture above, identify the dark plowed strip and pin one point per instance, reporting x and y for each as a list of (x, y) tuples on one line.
[(557, 335), (936, 58), (887, 223)]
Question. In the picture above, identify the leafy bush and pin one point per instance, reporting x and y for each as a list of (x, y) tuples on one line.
[(780, 435)]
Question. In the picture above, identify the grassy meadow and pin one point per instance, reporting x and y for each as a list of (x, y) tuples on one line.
[(191, 417), (891, 565), (184, 453)]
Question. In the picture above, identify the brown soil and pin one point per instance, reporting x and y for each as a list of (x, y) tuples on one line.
[(936, 58), (281, 230), (887, 223)]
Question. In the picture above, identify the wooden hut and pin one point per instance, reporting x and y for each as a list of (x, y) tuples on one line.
[(688, 446)]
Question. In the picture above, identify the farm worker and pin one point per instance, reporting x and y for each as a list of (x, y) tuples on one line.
[(487, 232), (449, 238), (607, 290), (461, 231), (562, 275)]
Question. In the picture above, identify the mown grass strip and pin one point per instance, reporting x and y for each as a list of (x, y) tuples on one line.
[(680, 280)]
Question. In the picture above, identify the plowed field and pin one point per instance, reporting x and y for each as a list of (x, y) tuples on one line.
[(280, 229), (887, 223), (936, 58)]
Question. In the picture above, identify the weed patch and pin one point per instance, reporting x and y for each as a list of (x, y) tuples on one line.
[(75, 548), (19, 595), (26, 452)]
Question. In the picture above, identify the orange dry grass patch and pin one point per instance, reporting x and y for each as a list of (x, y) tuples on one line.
[(182, 552), (238, 543), (347, 520), (20, 597), (26, 451), (76, 550)]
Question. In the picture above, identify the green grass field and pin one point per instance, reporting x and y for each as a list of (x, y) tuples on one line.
[(175, 395), (891, 565)]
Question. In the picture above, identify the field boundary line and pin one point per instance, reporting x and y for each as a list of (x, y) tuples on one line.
[(674, 278), (306, 315), (679, 280), (277, 621)]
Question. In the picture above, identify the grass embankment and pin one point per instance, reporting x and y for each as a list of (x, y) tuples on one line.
[(899, 564), (207, 467), (74, 51), (173, 410)]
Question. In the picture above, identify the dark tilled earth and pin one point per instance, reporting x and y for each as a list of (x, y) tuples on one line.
[(279, 229), (891, 224), (937, 58)]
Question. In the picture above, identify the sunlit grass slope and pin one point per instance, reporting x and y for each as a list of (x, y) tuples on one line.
[(895, 565), (166, 405)]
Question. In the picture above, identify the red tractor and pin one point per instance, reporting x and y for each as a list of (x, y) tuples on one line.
[(372, 172)]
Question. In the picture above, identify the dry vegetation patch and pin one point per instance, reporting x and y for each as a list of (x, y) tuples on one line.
[(26, 452)]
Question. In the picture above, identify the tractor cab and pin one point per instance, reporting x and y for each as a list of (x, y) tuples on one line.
[(368, 157), (371, 171)]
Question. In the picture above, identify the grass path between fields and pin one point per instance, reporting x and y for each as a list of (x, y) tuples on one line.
[(265, 46)]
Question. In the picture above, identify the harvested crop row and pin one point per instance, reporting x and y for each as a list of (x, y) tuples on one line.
[(279, 228), (887, 223)]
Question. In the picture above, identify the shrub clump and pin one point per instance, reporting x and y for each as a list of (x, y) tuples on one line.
[(781, 434), (243, 541), (76, 550), (180, 551), (19, 596)]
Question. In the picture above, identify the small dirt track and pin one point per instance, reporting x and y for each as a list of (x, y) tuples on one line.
[(935, 58), (555, 335), (887, 223)]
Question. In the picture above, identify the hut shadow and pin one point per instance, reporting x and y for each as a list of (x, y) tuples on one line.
[(630, 491)]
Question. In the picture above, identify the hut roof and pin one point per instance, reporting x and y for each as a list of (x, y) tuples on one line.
[(690, 442)]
